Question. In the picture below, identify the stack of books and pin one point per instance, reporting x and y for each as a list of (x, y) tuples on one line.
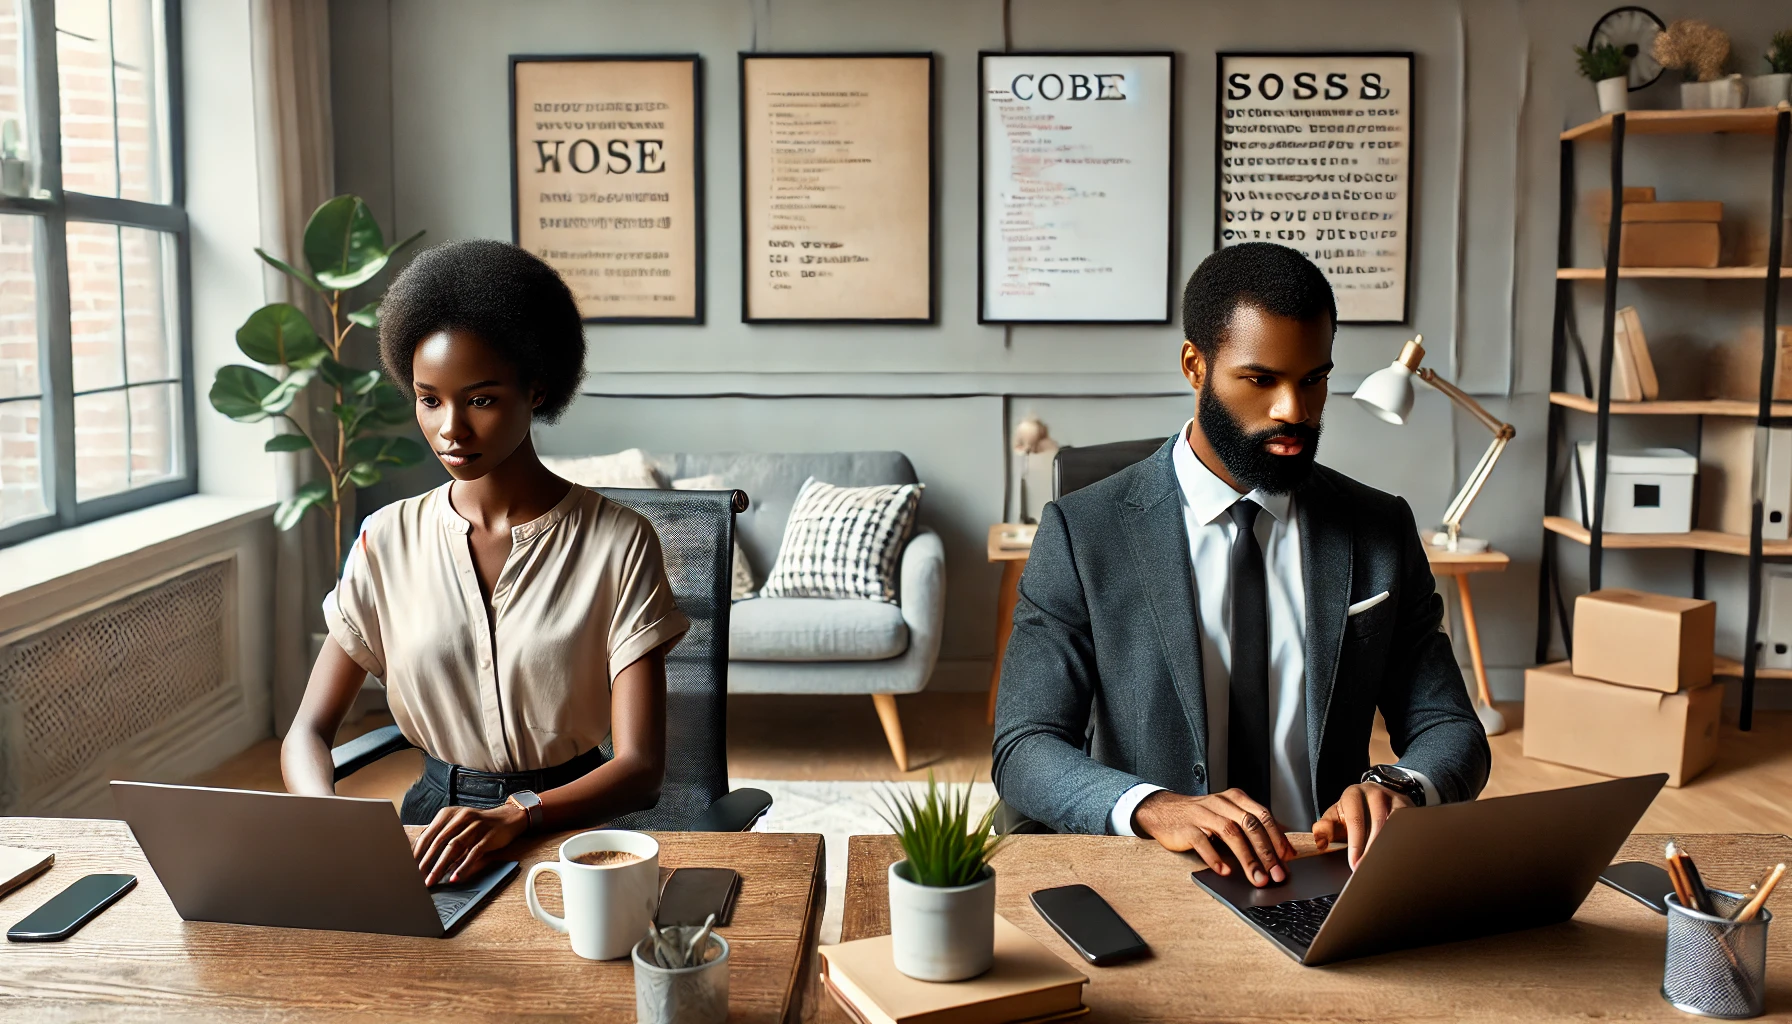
[(1027, 983)]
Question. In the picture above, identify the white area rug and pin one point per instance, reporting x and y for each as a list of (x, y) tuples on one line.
[(837, 810)]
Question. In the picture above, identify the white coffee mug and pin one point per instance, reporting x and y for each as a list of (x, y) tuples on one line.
[(607, 906)]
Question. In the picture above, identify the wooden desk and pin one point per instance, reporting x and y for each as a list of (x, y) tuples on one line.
[(1462, 564), (1208, 965), (139, 961)]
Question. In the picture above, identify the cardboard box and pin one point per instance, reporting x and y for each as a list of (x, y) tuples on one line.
[(1669, 244), (1683, 210), (1733, 369), (1726, 487), (1649, 641), (1619, 730)]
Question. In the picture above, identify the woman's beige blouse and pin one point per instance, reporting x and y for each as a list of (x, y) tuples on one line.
[(582, 596)]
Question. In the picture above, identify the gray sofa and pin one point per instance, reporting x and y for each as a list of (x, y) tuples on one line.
[(813, 645)]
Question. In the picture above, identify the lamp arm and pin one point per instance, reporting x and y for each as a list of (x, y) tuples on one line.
[(1461, 397), (1471, 487)]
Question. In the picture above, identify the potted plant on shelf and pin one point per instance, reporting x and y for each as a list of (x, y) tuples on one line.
[(943, 895), (344, 250), (1698, 51), (1775, 87), (1609, 71)]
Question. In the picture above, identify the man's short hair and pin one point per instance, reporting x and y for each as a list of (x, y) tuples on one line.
[(1273, 278), (507, 296)]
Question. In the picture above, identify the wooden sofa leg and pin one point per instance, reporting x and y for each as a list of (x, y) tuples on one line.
[(886, 713)]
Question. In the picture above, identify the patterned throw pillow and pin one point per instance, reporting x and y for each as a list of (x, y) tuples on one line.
[(742, 584), (844, 542)]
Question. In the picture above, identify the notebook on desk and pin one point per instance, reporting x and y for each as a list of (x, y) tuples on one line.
[(1028, 983)]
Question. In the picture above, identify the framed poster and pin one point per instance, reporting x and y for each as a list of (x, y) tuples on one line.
[(1075, 206), (1315, 152), (836, 188), (606, 181)]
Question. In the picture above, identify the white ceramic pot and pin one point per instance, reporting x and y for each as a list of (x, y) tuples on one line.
[(1614, 94), (1694, 95), (1726, 93), (942, 934), (1769, 90)]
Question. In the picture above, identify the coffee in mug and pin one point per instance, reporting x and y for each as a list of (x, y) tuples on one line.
[(609, 881)]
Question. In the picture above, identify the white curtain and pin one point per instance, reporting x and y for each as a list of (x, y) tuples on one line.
[(296, 160)]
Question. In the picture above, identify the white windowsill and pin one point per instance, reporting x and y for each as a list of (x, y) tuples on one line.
[(60, 557)]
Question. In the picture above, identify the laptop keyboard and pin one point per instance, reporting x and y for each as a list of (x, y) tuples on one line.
[(449, 903), (1297, 921)]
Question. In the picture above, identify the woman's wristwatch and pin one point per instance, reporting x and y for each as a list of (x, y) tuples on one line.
[(529, 804), (1395, 779)]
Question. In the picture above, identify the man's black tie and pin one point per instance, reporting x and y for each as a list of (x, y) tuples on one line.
[(1247, 742)]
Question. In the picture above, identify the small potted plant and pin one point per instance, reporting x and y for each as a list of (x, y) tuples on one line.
[(1609, 71), (943, 895), (1775, 87), (1698, 51)]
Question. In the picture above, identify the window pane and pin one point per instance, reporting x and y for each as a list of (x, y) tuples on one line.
[(102, 445), (21, 462), (155, 432), (148, 308), (18, 308), (94, 314), (17, 177), (84, 76), (142, 113)]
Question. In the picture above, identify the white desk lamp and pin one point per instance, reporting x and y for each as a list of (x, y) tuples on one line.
[(1388, 394)]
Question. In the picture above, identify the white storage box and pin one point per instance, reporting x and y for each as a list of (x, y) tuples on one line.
[(1775, 634), (1647, 490)]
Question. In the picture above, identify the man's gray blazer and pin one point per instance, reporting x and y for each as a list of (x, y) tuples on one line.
[(1102, 687)]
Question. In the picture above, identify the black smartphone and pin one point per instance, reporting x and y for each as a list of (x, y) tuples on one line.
[(1642, 881), (1092, 928), (692, 894), (71, 908)]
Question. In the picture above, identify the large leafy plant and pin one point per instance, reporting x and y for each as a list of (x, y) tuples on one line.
[(344, 250), (944, 845)]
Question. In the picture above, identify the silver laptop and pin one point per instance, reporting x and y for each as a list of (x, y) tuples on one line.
[(332, 862), (1438, 874)]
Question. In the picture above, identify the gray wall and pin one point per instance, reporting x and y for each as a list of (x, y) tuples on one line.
[(421, 122)]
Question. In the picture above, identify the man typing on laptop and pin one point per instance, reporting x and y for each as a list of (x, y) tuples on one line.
[(1202, 639)]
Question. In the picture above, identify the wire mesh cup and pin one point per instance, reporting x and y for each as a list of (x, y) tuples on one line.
[(1716, 967)]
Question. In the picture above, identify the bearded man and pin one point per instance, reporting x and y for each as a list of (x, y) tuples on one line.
[(1202, 639)]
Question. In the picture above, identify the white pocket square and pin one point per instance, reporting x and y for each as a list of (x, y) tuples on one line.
[(1365, 604)]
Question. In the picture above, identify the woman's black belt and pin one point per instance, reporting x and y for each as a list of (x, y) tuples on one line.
[(476, 788)]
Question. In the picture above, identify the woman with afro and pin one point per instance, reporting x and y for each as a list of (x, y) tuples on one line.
[(518, 620)]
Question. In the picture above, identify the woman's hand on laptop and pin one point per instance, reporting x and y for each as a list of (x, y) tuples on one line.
[(1357, 818), (1206, 823), (462, 839)]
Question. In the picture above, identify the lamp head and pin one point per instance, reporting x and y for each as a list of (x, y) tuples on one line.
[(1387, 393)]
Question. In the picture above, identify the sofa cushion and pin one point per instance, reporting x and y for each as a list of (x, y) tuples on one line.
[(815, 629)]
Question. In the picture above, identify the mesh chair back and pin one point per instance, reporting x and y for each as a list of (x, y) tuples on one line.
[(696, 531), (1079, 466)]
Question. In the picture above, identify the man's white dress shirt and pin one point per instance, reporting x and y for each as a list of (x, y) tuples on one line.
[(1205, 499)]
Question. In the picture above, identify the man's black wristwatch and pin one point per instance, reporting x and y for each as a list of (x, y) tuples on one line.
[(1390, 776)]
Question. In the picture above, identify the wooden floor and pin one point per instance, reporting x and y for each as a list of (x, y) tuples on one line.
[(778, 737)]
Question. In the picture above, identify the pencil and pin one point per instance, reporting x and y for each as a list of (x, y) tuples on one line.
[(1754, 905), (1677, 875), (1701, 895)]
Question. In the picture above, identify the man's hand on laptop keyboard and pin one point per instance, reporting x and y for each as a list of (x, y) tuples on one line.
[(1357, 818), (1204, 824)]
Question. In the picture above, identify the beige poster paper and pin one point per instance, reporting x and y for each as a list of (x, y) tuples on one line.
[(606, 182), (838, 201)]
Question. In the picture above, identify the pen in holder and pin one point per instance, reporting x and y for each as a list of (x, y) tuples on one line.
[(1716, 967)]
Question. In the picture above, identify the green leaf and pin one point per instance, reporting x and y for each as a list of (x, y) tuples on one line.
[(343, 244), (279, 334), (367, 316), (350, 417), (293, 509), (286, 391), (334, 373), (363, 383), (390, 407), (291, 271), (396, 451), (239, 391), (287, 443), (364, 474)]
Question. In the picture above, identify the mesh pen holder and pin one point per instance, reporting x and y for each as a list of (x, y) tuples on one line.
[(1716, 967)]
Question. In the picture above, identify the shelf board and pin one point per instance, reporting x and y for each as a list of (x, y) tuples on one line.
[(1673, 273), (1730, 668), (1695, 540), (1746, 120), (1708, 407)]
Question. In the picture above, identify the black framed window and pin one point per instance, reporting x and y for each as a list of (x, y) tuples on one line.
[(96, 381)]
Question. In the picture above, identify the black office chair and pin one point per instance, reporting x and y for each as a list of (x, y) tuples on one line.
[(696, 531), (1076, 467)]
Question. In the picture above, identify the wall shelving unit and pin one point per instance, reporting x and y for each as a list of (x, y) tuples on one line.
[(1615, 128)]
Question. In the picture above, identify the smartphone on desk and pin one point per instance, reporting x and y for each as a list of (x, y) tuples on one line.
[(692, 894), (71, 908), (1084, 919)]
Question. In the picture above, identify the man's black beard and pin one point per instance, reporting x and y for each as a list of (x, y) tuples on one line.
[(1244, 455)]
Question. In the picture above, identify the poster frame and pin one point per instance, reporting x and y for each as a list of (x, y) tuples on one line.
[(697, 183), (1171, 227), (1412, 136), (933, 189)]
